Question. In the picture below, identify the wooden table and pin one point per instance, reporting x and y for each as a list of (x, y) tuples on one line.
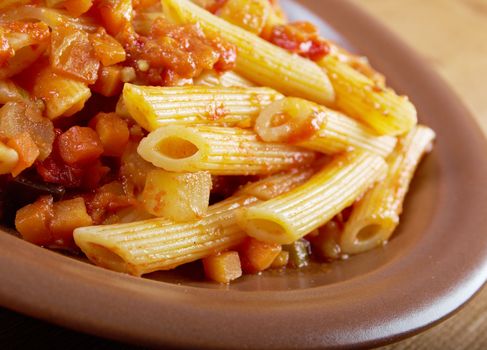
[(452, 35)]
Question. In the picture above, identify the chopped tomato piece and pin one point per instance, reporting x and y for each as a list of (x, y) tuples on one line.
[(113, 132), (256, 256), (80, 145), (32, 221), (301, 38), (73, 54), (107, 49), (222, 267), (26, 149)]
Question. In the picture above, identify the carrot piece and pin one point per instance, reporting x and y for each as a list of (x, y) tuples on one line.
[(113, 132), (26, 149), (109, 81), (256, 256), (108, 50), (80, 145), (32, 221), (68, 215), (77, 7), (223, 267)]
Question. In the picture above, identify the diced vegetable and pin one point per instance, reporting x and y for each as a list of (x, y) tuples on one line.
[(248, 14), (113, 132), (80, 145), (223, 267), (19, 117), (115, 14), (257, 256), (109, 81), (326, 244), (26, 149), (8, 159), (281, 260), (62, 96), (108, 50), (77, 7), (32, 221), (299, 253), (68, 215), (134, 168), (177, 196), (72, 54)]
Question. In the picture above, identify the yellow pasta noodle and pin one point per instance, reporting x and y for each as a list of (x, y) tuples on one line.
[(376, 215), (257, 59), (361, 98), (227, 79), (160, 244), (309, 125), (153, 107), (275, 185), (293, 215), (219, 150)]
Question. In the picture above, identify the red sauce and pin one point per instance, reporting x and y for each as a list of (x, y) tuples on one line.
[(301, 38), (176, 52)]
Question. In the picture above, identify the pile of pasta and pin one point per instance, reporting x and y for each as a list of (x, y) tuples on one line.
[(153, 134)]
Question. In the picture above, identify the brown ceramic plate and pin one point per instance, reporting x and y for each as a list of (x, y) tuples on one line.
[(436, 261)]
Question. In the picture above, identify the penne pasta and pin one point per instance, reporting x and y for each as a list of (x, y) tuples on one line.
[(361, 98), (219, 150), (293, 215), (153, 107), (308, 125), (275, 185), (160, 244), (227, 79), (258, 60), (376, 215)]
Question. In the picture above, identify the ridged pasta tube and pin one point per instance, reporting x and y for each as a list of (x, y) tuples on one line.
[(275, 185), (315, 127), (287, 218), (361, 98), (227, 79), (153, 107), (257, 59), (160, 244), (219, 150), (376, 215)]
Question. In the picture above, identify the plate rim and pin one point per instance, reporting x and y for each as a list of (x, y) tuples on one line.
[(69, 275)]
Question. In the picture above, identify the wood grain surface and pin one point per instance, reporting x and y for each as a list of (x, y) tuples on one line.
[(452, 35)]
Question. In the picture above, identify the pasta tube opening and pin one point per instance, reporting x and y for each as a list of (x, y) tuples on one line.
[(106, 257), (177, 148), (367, 234)]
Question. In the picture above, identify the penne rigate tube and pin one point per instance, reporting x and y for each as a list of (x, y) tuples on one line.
[(227, 79), (308, 125), (289, 217), (361, 98), (154, 107), (257, 59), (376, 215), (275, 185), (146, 246), (219, 150)]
